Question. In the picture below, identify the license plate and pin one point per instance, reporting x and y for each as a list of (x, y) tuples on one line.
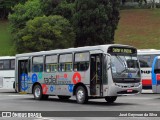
[(129, 90)]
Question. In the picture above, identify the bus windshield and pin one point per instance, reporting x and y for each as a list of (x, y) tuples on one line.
[(125, 66)]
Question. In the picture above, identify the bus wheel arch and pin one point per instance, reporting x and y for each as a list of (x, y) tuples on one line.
[(81, 93), (37, 89), (36, 83)]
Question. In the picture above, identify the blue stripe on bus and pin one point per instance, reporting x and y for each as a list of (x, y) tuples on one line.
[(154, 81)]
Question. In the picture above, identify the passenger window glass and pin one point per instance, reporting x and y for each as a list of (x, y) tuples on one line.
[(6, 64), (38, 64), (81, 62), (12, 64), (1, 65), (51, 63), (65, 63)]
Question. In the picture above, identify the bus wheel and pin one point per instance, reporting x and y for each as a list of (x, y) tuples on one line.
[(81, 95), (110, 99), (37, 92), (63, 97)]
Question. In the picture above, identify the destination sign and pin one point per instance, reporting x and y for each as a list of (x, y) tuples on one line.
[(116, 50)]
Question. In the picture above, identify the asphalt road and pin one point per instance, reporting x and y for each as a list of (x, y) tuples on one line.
[(10, 101)]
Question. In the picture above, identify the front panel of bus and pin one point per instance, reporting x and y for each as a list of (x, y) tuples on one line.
[(156, 75), (125, 70)]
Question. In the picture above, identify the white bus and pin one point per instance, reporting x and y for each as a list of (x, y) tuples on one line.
[(146, 57), (7, 72), (103, 71)]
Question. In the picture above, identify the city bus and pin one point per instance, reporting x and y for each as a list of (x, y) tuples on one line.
[(146, 57), (156, 75), (103, 71), (7, 72)]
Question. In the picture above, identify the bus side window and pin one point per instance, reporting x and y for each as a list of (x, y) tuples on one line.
[(1, 65), (81, 61), (38, 64), (65, 63), (12, 64), (51, 63)]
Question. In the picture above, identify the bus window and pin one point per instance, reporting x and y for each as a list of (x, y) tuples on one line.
[(38, 64), (6, 64), (81, 62), (12, 64), (65, 63), (1, 65), (51, 63)]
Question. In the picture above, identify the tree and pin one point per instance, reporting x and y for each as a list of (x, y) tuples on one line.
[(64, 8), (95, 21), (5, 7), (48, 6), (45, 33), (22, 13)]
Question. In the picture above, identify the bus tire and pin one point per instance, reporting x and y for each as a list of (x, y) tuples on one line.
[(110, 99), (81, 95), (63, 97), (37, 92)]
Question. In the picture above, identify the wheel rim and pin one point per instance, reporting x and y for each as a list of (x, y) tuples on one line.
[(37, 92), (80, 95)]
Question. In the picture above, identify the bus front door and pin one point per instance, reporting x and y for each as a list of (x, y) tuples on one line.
[(96, 75), (23, 78)]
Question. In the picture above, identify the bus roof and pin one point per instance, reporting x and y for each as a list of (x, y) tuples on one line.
[(148, 51), (85, 48), (6, 57)]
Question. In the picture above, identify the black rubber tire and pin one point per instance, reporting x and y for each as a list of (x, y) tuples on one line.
[(81, 90), (62, 97), (40, 96), (110, 99)]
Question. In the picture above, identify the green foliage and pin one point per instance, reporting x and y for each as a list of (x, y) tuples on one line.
[(95, 21), (48, 6), (45, 33), (23, 13), (65, 8), (5, 7)]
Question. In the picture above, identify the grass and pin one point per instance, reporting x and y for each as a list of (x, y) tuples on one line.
[(139, 28), (6, 45)]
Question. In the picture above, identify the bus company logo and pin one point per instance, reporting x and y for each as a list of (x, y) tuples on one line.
[(50, 80), (44, 88), (34, 78), (24, 81), (76, 77), (70, 87)]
